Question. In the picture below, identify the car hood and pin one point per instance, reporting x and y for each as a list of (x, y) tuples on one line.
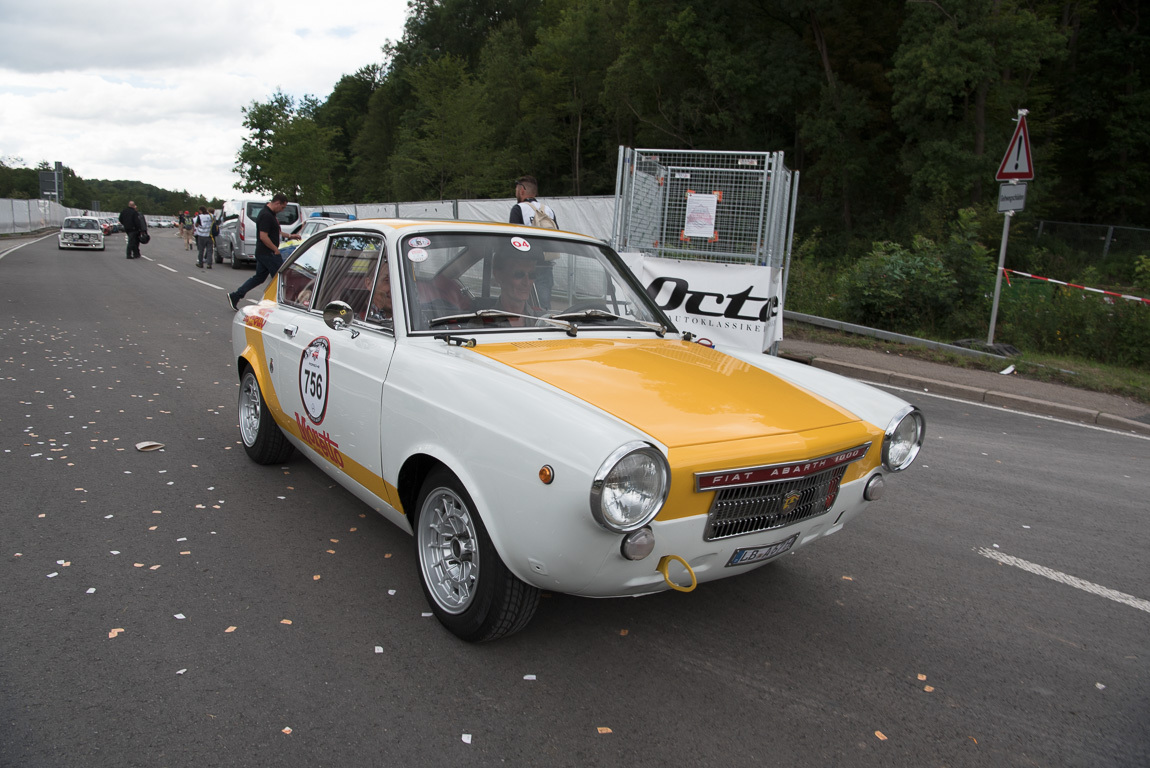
[(678, 392)]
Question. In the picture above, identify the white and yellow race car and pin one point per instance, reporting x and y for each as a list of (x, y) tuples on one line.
[(514, 398)]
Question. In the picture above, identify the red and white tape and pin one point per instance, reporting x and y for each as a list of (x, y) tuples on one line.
[(1073, 285)]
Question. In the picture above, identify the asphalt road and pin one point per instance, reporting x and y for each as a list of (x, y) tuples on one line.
[(186, 607)]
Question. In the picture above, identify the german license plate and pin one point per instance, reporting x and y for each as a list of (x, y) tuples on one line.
[(748, 555)]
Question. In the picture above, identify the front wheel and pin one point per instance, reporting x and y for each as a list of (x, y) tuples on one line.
[(469, 588), (263, 440)]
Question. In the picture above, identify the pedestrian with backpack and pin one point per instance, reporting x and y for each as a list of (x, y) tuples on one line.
[(530, 212)]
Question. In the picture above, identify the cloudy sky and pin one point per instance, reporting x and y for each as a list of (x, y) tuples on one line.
[(152, 91)]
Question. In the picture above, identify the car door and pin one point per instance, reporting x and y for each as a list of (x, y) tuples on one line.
[(330, 382)]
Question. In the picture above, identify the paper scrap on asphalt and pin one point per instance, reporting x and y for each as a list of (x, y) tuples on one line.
[(880, 735), (601, 729), (149, 445), (529, 677), (467, 738), (115, 632)]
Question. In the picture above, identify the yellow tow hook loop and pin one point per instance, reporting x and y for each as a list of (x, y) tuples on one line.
[(664, 562)]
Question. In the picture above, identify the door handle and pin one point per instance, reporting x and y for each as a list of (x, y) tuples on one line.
[(291, 330)]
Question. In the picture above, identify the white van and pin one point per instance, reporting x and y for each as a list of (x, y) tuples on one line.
[(237, 239)]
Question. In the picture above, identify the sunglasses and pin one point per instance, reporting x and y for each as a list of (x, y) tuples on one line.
[(519, 274)]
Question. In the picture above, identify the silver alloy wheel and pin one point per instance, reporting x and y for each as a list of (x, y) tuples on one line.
[(449, 550), (249, 409)]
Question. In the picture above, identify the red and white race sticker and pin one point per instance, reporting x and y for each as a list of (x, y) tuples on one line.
[(418, 242), (520, 244), (417, 255), (313, 378)]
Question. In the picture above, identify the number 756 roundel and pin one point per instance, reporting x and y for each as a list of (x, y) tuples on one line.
[(313, 373)]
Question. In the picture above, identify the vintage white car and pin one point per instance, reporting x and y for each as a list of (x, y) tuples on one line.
[(514, 398), (81, 232)]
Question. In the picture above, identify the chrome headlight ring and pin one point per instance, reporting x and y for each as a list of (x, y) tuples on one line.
[(630, 487), (903, 439)]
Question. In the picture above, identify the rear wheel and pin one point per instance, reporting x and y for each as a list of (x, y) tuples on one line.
[(263, 440), (469, 588), (232, 253)]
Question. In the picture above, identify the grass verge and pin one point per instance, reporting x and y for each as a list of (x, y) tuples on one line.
[(1075, 372)]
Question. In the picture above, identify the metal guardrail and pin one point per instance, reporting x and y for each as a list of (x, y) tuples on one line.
[(899, 338)]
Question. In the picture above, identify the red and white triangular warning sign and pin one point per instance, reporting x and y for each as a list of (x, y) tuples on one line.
[(1017, 165)]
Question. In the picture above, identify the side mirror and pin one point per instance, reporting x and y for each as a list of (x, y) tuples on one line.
[(337, 315)]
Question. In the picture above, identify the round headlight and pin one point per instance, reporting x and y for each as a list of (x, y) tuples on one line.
[(903, 439), (630, 487)]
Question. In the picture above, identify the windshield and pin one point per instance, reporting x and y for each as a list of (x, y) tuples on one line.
[(81, 224), (479, 281)]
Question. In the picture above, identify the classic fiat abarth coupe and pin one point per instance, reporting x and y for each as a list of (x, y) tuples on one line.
[(515, 399)]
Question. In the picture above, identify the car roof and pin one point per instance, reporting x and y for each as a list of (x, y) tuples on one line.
[(400, 225)]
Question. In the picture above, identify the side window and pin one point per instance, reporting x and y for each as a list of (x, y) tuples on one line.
[(299, 278), (350, 276)]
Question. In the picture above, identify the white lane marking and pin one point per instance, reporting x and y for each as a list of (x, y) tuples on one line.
[(163, 266), (149, 258), (1073, 581), (30, 242), (202, 282), (1000, 409)]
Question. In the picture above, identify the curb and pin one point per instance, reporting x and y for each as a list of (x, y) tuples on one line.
[(974, 394)]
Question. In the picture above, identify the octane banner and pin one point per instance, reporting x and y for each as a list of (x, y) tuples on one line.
[(735, 304)]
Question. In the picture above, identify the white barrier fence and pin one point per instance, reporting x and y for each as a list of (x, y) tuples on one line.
[(587, 215)]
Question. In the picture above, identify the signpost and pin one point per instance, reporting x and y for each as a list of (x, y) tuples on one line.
[(1017, 165)]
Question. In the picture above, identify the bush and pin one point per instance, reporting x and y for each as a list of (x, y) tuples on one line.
[(899, 290)]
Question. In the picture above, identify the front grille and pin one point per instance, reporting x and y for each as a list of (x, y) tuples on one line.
[(754, 508)]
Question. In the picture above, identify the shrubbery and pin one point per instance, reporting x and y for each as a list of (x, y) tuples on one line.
[(945, 291)]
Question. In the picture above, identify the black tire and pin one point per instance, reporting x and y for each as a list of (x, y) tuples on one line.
[(262, 438), (465, 581), (236, 263)]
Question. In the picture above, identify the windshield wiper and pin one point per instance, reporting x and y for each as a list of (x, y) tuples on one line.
[(481, 313), (658, 328)]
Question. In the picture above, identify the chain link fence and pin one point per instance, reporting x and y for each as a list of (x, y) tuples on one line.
[(733, 207)]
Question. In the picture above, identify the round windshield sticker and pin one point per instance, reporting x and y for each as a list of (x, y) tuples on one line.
[(417, 255), (520, 244), (418, 242), (313, 378)]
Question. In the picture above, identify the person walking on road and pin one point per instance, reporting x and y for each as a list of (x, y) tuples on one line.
[(527, 210), (203, 230), (268, 258), (132, 221), (186, 230)]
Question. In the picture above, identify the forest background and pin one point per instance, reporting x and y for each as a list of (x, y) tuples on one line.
[(896, 114)]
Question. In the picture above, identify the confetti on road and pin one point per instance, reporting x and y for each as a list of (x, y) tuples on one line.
[(387, 555), (149, 445), (331, 551), (180, 616), (922, 677), (115, 632), (379, 649), (880, 735), (186, 552), (287, 731), (229, 629), (91, 590), (391, 591), (847, 578), (53, 575), (601, 729), (285, 621), (624, 632), (426, 615), (928, 688), (1100, 686), (154, 567), (529, 677), (316, 577), (181, 671), (467, 738)]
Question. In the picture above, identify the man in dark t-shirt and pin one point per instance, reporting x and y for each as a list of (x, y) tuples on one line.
[(268, 258)]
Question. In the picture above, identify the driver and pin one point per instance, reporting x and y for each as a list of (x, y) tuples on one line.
[(515, 273)]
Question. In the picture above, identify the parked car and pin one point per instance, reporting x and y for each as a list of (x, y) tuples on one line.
[(237, 239), (310, 226), (81, 232), (580, 445)]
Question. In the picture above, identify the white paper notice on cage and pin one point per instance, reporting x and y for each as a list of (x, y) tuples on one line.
[(722, 304)]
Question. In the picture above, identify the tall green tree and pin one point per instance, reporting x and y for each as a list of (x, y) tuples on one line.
[(961, 72), (287, 151)]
